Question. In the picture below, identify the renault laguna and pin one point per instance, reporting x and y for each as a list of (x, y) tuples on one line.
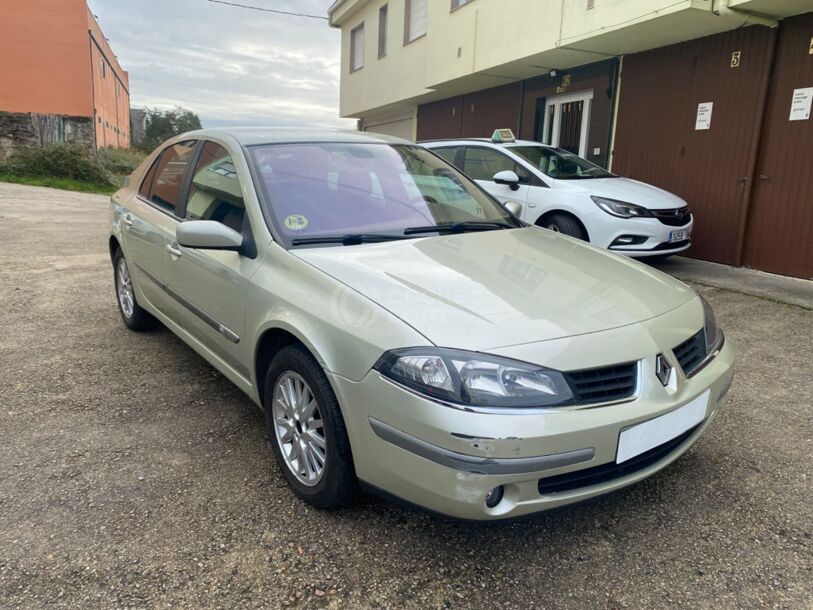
[(406, 333)]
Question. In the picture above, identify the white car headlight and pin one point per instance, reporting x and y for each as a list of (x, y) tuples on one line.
[(471, 378), (622, 209), (714, 334)]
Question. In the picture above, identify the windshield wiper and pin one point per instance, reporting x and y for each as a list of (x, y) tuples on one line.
[(460, 227), (345, 240)]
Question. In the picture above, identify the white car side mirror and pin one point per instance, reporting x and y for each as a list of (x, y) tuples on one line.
[(508, 178)]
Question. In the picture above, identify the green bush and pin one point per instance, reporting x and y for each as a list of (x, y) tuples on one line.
[(119, 162), (59, 161)]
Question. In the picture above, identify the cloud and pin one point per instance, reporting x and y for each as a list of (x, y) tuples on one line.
[(229, 65)]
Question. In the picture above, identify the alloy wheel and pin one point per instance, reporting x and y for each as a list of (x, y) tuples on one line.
[(124, 289), (298, 428)]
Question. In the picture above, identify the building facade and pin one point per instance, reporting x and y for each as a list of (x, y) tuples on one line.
[(60, 80), (694, 96)]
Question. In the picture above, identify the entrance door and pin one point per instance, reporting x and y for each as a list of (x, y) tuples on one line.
[(567, 121), (779, 235)]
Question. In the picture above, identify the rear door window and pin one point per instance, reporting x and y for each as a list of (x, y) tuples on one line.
[(215, 192), (169, 175)]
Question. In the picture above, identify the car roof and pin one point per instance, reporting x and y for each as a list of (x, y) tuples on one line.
[(461, 141), (250, 136)]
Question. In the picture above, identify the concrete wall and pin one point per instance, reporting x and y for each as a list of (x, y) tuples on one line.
[(22, 129)]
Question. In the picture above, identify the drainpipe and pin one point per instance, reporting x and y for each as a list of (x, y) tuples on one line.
[(722, 8)]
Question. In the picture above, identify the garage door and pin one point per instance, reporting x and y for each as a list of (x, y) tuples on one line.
[(779, 235), (660, 140)]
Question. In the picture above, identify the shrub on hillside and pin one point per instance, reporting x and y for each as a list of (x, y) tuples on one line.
[(119, 162), (58, 161)]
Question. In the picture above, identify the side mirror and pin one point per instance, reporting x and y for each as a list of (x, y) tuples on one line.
[(514, 207), (208, 235), (508, 178)]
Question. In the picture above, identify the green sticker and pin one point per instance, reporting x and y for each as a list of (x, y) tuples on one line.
[(295, 222)]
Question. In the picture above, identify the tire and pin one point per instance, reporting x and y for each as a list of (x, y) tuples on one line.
[(334, 486), (563, 223), (135, 318)]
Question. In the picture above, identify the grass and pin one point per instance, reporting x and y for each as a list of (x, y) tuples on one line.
[(66, 184)]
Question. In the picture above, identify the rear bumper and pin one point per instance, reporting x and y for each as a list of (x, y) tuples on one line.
[(447, 460)]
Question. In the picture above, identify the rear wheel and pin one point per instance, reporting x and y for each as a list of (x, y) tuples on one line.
[(563, 223), (134, 317), (306, 430)]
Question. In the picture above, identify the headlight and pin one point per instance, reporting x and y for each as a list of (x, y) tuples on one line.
[(476, 379), (714, 335), (621, 209)]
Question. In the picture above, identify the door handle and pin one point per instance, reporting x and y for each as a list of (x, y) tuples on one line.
[(173, 250), (764, 177), (128, 220)]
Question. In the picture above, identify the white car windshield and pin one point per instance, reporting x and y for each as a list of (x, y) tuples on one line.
[(337, 190), (560, 164)]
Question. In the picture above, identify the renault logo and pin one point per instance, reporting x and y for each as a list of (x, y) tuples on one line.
[(662, 369)]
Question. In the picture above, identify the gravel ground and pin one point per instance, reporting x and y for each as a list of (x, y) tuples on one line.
[(132, 474)]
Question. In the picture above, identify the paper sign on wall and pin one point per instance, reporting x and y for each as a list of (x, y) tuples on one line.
[(800, 105), (703, 120)]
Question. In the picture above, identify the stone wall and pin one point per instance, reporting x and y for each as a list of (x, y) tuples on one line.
[(23, 129)]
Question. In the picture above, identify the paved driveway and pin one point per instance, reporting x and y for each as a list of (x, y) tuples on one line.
[(134, 475)]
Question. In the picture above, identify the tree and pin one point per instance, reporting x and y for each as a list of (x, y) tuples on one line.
[(162, 125)]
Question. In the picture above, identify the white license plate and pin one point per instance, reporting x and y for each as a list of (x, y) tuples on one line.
[(642, 437), (679, 235)]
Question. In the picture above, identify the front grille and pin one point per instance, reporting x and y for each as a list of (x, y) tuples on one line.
[(604, 384), (677, 217), (691, 352), (608, 472)]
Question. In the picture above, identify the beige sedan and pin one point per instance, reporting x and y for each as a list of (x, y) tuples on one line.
[(406, 333)]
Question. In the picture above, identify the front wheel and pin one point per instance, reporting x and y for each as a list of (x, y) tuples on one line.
[(306, 430), (562, 223), (134, 317)]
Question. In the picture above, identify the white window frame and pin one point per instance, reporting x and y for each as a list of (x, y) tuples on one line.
[(556, 102), (411, 33), (356, 53)]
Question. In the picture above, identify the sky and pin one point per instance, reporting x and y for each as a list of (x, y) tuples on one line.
[(229, 65)]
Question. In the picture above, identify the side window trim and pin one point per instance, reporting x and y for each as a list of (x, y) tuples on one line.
[(183, 193), (150, 175)]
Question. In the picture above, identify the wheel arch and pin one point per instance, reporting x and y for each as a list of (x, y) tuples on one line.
[(540, 222), (271, 340), (113, 245)]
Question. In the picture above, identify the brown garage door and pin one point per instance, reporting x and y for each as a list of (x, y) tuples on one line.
[(656, 140), (780, 224)]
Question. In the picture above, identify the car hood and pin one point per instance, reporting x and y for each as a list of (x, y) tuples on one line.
[(499, 288), (623, 189)]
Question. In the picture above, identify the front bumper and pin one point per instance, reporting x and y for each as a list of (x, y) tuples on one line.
[(652, 237), (447, 459)]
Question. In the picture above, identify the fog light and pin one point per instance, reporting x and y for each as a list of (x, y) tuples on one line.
[(494, 497)]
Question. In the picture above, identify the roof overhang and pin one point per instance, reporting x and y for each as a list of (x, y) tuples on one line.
[(341, 10)]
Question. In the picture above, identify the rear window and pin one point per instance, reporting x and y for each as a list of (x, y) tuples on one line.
[(169, 174)]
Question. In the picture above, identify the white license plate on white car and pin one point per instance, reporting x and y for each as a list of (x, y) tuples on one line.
[(642, 437), (679, 235)]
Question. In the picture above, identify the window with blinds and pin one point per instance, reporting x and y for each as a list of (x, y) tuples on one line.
[(415, 21), (357, 48)]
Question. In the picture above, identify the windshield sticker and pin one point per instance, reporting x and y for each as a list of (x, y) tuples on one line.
[(295, 222)]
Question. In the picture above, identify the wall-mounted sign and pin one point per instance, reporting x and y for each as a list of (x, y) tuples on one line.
[(703, 120), (735, 59), (800, 104)]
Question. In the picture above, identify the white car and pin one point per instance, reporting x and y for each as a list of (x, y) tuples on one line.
[(563, 192)]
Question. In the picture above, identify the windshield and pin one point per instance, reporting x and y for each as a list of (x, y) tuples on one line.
[(560, 164), (315, 190)]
